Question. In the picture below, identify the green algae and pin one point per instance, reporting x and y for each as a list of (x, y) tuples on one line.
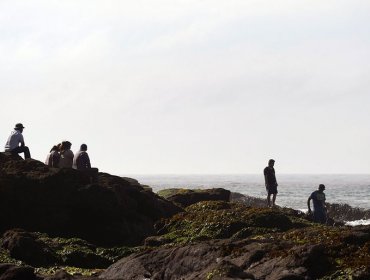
[(6, 258), (47, 271), (216, 220), (74, 254)]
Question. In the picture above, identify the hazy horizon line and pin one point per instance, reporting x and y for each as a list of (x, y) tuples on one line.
[(228, 174)]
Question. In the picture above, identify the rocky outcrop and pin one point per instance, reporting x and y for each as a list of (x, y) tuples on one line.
[(186, 197), (269, 258), (63, 202), (13, 272), (277, 245), (209, 220)]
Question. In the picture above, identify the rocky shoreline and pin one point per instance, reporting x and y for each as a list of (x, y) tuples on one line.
[(55, 225)]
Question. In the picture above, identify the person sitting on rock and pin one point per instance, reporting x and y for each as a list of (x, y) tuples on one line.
[(53, 157), (66, 155), (81, 160), (16, 138), (319, 207)]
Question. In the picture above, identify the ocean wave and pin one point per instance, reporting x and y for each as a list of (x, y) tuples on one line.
[(358, 223)]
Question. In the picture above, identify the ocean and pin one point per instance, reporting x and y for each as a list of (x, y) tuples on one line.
[(294, 190)]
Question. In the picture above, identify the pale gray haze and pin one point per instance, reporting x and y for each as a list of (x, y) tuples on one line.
[(185, 86)]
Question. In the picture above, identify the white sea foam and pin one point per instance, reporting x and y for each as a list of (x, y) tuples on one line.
[(358, 223)]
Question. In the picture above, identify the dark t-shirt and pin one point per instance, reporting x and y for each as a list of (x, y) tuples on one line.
[(270, 175), (318, 199)]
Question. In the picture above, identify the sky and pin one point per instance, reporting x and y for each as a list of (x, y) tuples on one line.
[(190, 87)]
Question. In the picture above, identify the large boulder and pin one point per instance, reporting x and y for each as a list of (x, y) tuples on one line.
[(63, 202), (186, 197), (13, 272), (25, 247)]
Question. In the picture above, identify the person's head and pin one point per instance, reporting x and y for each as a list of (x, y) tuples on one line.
[(19, 127), (66, 145), (83, 147), (321, 187), (271, 163), (54, 148)]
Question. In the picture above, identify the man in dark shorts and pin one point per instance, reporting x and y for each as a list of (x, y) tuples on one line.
[(270, 182), (319, 207)]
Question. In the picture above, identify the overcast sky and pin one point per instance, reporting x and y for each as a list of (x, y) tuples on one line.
[(191, 86)]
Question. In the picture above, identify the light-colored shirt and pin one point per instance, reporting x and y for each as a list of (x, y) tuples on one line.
[(81, 161), (14, 139), (66, 159)]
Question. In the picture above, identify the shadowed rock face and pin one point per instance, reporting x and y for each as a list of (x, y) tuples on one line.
[(62, 202)]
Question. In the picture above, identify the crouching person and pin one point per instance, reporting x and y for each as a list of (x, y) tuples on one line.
[(15, 144), (81, 161)]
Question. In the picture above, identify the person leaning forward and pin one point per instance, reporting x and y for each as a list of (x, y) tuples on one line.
[(15, 143), (319, 208)]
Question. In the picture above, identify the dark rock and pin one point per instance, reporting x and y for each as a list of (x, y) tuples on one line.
[(13, 272), (38, 249), (248, 200), (24, 246), (186, 197), (344, 212), (85, 259), (357, 237), (60, 275), (224, 259), (63, 202), (217, 219), (188, 262)]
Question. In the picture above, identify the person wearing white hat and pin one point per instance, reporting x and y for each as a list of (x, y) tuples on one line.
[(15, 143)]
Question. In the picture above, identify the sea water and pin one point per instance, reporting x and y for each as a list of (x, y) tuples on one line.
[(294, 190)]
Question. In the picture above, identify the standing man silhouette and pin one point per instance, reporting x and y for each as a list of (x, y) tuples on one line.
[(16, 138), (270, 182)]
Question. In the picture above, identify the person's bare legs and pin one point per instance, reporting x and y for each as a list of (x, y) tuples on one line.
[(273, 199), (269, 200)]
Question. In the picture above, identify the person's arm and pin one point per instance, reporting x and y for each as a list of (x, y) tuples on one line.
[(21, 140), (88, 164), (266, 181), (308, 205)]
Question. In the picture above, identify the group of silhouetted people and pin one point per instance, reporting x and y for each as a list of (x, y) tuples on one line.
[(60, 156), (318, 197)]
